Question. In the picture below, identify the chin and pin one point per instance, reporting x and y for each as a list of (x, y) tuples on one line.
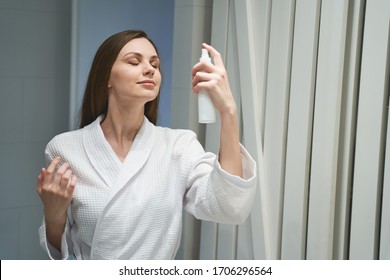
[(149, 99)]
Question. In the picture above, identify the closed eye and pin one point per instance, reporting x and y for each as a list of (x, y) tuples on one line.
[(136, 58), (133, 62), (155, 63)]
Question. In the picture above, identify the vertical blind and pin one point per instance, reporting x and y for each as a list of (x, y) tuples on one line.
[(311, 79)]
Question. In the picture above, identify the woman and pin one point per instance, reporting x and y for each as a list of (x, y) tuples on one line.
[(115, 188)]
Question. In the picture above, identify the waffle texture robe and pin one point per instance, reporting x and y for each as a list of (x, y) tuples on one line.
[(133, 210)]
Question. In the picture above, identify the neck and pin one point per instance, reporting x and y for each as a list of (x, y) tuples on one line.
[(121, 125)]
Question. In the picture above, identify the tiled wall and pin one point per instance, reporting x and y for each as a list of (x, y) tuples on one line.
[(34, 106)]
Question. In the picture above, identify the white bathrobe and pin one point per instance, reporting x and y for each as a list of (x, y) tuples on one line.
[(133, 210)]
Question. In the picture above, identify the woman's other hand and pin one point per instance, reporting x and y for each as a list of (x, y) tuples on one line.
[(55, 189)]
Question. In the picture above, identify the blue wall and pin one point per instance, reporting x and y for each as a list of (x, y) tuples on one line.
[(34, 103), (98, 19)]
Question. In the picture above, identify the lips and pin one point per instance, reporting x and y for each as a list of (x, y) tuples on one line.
[(147, 82)]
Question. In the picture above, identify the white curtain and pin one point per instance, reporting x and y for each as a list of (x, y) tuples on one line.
[(311, 79)]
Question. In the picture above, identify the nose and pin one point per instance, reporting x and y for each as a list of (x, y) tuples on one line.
[(149, 70)]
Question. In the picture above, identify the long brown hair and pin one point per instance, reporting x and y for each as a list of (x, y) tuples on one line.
[(95, 101)]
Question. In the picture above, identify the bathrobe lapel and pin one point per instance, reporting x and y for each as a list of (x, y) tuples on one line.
[(100, 154), (136, 158), (107, 164), (116, 174)]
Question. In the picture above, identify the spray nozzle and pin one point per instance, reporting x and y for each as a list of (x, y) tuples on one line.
[(205, 54)]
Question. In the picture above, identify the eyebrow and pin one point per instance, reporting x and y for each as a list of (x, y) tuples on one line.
[(139, 55)]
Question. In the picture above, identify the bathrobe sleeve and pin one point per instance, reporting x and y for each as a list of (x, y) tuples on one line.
[(53, 252), (212, 193), (66, 243)]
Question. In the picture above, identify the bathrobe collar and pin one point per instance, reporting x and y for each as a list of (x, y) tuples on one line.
[(104, 159)]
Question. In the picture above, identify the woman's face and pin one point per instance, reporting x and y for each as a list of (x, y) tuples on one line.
[(135, 75)]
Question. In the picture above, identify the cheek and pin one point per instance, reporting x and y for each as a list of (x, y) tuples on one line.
[(122, 75), (158, 78)]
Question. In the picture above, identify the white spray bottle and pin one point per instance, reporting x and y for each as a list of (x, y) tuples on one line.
[(206, 111)]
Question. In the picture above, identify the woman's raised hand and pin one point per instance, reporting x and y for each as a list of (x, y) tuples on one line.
[(214, 79), (56, 190)]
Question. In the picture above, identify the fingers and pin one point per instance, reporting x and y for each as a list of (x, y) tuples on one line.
[(71, 186), (202, 67), (206, 66), (65, 179), (215, 55), (53, 164), (201, 78), (50, 171), (60, 173), (61, 178), (41, 176), (205, 81)]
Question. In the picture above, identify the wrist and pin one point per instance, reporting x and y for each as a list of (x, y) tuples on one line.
[(55, 220), (229, 111), (229, 123)]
